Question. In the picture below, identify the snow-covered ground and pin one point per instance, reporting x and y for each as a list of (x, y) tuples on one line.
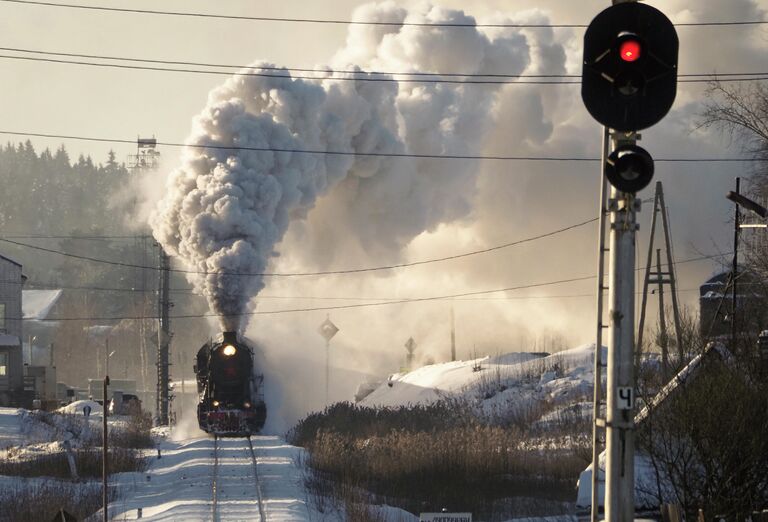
[(178, 486), (560, 384)]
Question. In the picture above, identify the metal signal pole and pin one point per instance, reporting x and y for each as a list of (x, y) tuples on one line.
[(620, 436), (628, 83)]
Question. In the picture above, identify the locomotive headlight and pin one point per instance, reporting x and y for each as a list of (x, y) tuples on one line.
[(246, 405), (215, 404), (229, 350)]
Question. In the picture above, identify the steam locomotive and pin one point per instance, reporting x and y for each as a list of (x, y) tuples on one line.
[(231, 398)]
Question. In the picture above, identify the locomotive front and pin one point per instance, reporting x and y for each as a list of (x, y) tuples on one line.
[(231, 400)]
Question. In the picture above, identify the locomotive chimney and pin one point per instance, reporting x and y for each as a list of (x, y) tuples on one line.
[(230, 337)]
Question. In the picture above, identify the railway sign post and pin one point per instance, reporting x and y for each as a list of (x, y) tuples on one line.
[(629, 82), (410, 347), (327, 330)]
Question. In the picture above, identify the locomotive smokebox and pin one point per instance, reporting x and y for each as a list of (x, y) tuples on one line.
[(230, 338)]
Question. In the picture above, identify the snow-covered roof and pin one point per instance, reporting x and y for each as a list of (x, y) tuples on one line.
[(37, 304), (10, 260), (646, 492), (682, 377)]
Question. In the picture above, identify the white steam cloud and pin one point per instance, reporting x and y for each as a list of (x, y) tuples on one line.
[(242, 179)]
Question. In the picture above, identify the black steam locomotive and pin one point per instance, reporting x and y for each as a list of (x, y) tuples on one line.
[(231, 398)]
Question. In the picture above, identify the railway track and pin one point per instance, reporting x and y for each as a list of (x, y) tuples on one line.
[(224, 481)]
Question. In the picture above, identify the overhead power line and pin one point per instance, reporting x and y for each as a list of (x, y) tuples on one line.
[(320, 273), (352, 306), (334, 307), (724, 78), (79, 237), (369, 154), (341, 21), (325, 72), (190, 291)]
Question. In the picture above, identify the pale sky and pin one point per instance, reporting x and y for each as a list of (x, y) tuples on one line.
[(89, 101)]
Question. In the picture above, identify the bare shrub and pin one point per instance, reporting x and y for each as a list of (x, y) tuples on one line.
[(136, 434), (88, 461), (361, 421), (42, 500)]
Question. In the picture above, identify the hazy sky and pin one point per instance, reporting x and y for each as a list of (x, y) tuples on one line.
[(507, 201)]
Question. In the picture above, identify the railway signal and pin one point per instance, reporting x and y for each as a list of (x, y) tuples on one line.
[(629, 82), (629, 78), (629, 168)]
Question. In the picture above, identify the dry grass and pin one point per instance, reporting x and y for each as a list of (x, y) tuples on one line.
[(428, 458), (42, 500), (88, 462)]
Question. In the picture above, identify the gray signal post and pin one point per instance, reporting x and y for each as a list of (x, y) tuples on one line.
[(620, 435), (327, 329)]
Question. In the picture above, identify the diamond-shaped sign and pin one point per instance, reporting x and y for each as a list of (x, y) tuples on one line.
[(410, 345), (328, 329)]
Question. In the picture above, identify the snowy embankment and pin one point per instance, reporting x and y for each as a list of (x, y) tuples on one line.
[(558, 385)]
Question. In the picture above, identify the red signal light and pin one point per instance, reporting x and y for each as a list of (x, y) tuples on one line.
[(630, 50)]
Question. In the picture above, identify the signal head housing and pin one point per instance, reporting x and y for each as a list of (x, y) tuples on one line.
[(629, 168), (629, 75)]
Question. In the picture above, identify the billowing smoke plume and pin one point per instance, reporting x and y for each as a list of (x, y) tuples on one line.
[(246, 173)]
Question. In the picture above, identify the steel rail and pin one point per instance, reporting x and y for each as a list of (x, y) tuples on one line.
[(259, 496), (214, 496)]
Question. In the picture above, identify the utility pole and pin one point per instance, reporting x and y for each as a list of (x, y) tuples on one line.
[(735, 268), (105, 434), (164, 340), (662, 321), (661, 278), (453, 335), (410, 347)]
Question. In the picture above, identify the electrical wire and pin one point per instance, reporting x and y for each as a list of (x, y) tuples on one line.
[(320, 273), (327, 70), (328, 308), (78, 237), (343, 22), (356, 78), (358, 298), (370, 154), (191, 291), (341, 307)]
